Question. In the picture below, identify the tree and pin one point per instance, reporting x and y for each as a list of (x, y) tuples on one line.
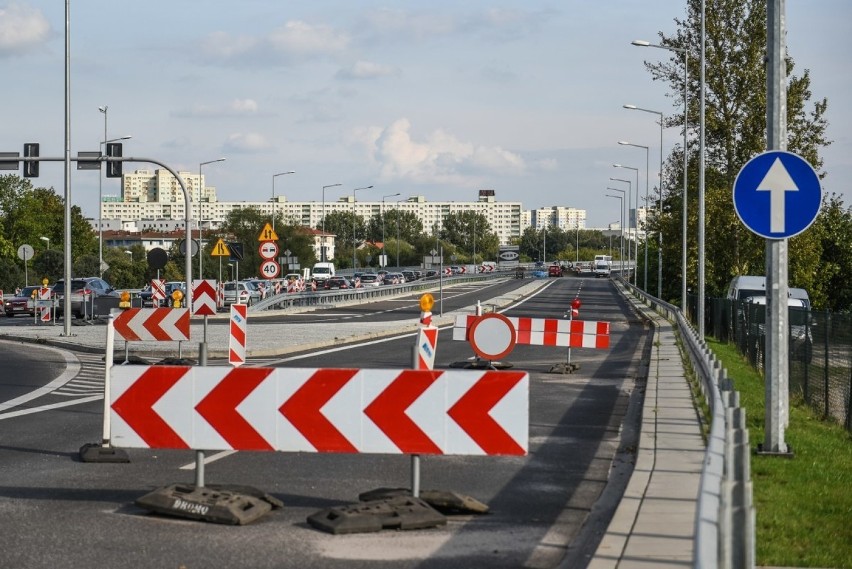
[(735, 131), (469, 231)]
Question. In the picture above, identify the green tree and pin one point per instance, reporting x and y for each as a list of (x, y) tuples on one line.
[(735, 131), (469, 230)]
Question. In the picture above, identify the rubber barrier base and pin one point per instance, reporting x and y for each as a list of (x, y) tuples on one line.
[(481, 364), (564, 368), (445, 501), (95, 452), (219, 504), (401, 512)]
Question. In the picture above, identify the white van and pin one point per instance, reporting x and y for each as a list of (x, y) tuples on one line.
[(322, 272), (745, 286)]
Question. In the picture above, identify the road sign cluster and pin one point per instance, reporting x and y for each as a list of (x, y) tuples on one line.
[(268, 250), (321, 410)]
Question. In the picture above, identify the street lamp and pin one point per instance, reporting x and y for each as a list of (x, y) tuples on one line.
[(629, 194), (131, 256), (353, 223), (685, 53), (43, 238), (659, 201), (383, 224), (397, 232), (647, 170), (200, 236), (103, 142), (621, 226), (273, 193), (322, 248)]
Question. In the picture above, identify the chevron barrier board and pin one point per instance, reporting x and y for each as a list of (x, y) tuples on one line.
[(204, 297), (237, 334), (152, 324), (546, 331), (380, 411)]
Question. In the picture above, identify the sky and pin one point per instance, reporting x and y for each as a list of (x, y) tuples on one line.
[(439, 99)]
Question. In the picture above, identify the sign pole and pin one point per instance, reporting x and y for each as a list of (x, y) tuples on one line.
[(776, 370)]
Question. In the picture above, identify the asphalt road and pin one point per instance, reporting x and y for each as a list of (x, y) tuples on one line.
[(60, 512)]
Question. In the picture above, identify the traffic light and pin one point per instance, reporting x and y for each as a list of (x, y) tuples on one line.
[(30, 168), (113, 150)]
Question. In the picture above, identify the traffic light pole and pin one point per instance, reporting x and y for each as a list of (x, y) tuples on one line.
[(92, 161)]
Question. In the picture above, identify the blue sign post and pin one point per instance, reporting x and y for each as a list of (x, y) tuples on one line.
[(777, 194)]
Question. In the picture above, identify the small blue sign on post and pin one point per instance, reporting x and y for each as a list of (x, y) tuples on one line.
[(777, 194)]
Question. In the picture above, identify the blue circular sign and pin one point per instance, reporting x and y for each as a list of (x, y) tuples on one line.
[(777, 194)]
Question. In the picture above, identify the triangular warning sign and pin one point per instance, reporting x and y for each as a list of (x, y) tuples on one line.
[(220, 249), (267, 234)]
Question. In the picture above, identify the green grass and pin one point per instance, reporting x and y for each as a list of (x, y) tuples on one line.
[(803, 504)]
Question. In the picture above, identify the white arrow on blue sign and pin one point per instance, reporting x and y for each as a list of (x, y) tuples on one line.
[(777, 194)]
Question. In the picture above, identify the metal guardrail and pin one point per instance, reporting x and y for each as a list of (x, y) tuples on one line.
[(725, 516), (285, 300)]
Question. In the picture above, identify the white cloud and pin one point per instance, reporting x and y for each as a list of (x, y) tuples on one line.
[(367, 70), (236, 108), (294, 42), (246, 143), (22, 29), (439, 158)]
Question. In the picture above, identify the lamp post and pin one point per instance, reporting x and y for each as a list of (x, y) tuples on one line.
[(647, 170), (103, 142), (273, 193), (383, 227), (636, 230), (659, 200), (43, 238), (322, 248), (629, 194), (685, 53), (131, 255), (397, 232), (353, 223), (621, 226), (200, 236)]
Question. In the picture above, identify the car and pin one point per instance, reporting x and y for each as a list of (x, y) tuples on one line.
[(337, 283), (240, 292), (554, 271), (370, 280), (84, 291), (455, 269), (21, 303), (393, 279), (410, 276), (430, 274), (801, 341), (146, 297)]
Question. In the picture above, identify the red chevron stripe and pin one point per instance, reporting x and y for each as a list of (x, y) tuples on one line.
[(387, 411), (219, 408), (136, 406), (304, 410), (122, 321), (471, 412)]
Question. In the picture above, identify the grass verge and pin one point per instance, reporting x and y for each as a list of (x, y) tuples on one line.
[(803, 504)]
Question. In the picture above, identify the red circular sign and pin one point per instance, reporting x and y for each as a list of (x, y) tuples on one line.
[(269, 269), (575, 304), (268, 249), (492, 337)]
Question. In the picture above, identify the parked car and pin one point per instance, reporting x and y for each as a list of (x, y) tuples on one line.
[(84, 291), (21, 303), (800, 339), (240, 292), (337, 283)]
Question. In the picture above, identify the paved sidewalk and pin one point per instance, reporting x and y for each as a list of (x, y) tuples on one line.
[(654, 524)]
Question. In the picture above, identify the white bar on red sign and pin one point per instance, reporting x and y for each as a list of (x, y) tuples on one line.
[(481, 412), (546, 331)]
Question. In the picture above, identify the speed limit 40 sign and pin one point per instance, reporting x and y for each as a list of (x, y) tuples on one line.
[(269, 269)]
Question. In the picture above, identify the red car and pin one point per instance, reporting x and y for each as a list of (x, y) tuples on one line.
[(21, 303), (554, 271)]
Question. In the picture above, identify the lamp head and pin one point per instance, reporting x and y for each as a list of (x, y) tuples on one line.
[(623, 142), (630, 106), (103, 109), (641, 43)]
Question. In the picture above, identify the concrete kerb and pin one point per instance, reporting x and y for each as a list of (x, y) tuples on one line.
[(90, 338)]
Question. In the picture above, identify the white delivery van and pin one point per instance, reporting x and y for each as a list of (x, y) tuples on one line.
[(322, 272), (745, 286)]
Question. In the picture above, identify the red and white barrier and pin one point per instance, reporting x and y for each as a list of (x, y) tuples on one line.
[(153, 324), (44, 295), (204, 297), (321, 410), (546, 331), (237, 342), (158, 290)]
